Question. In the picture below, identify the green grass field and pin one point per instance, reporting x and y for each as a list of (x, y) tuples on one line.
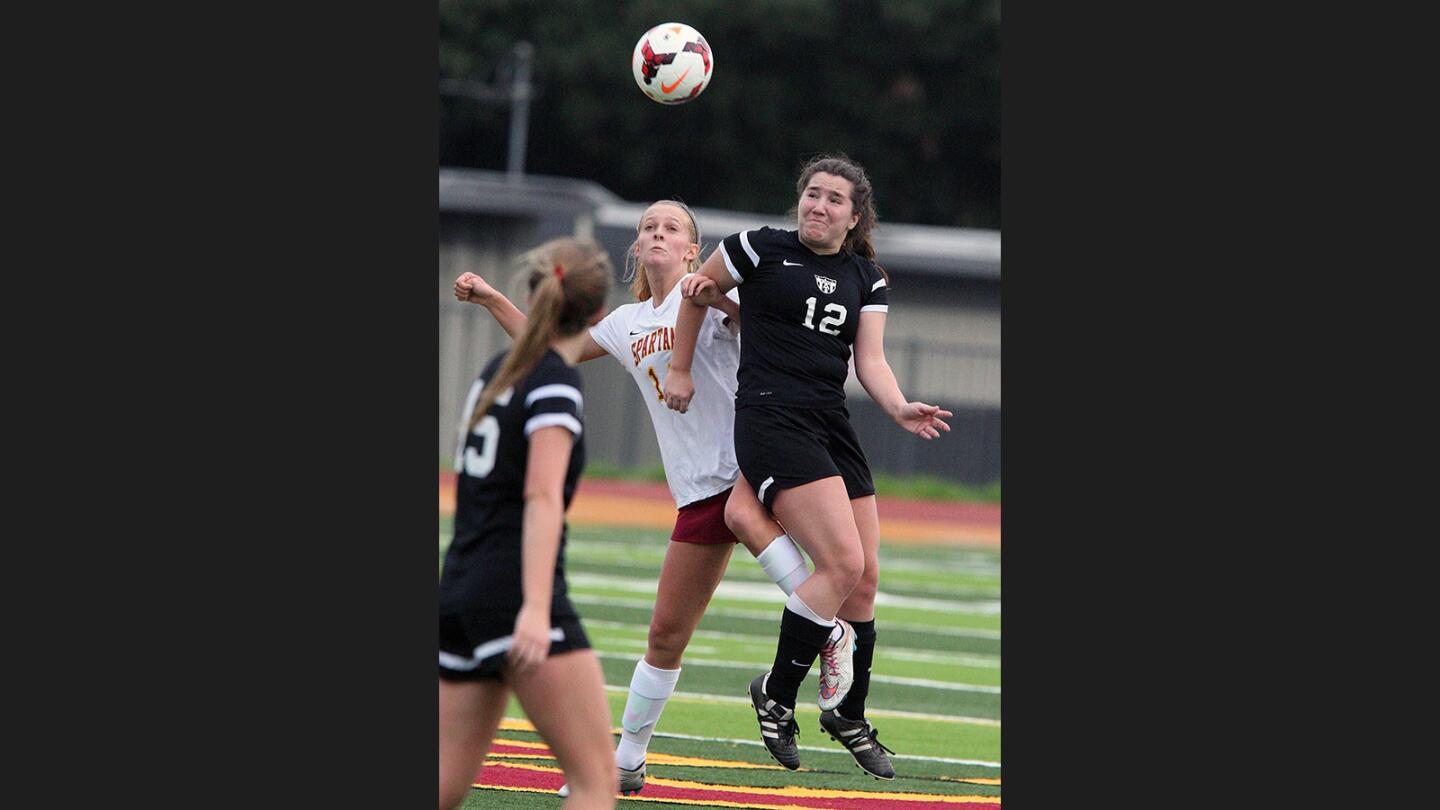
[(935, 683)]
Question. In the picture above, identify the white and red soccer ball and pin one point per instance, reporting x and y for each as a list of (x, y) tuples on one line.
[(672, 63)]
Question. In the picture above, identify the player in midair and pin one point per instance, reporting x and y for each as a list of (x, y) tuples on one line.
[(810, 295)]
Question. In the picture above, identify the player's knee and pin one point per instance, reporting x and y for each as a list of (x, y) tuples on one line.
[(751, 525), (667, 644), (846, 566), (741, 517), (866, 587)]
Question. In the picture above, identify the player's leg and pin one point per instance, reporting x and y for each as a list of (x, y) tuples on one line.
[(565, 700), (470, 711), (845, 720), (838, 667), (830, 537), (783, 452), (859, 608), (808, 619), (781, 560), (846, 723), (688, 579), (764, 538), (695, 561)]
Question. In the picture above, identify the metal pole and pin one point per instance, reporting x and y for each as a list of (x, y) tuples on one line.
[(519, 111)]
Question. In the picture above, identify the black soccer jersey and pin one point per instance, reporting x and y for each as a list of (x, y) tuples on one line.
[(799, 312), (483, 561)]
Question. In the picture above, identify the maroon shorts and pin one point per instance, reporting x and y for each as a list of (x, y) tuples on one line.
[(703, 522)]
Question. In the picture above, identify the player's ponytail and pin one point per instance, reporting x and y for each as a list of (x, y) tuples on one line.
[(569, 279)]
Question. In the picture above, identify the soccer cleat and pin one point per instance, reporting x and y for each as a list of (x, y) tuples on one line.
[(862, 741), (778, 729), (631, 782), (837, 668)]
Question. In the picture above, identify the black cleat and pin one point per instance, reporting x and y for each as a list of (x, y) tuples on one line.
[(862, 741), (778, 729)]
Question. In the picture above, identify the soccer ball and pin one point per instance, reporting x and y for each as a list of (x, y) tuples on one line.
[(672, 63)]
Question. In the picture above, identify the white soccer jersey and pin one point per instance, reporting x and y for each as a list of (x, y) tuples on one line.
[(696, 447)]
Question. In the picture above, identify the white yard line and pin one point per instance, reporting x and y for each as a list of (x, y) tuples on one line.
[(625, 554), (767, 593), (700, 697), (972, 565), (897, 653), (587, 599), (754, 574), (903, 654), (762, 666)]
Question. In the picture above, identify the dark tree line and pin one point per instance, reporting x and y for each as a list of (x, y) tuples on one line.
[(909, 88)]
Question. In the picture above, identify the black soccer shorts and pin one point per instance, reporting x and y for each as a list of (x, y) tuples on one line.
[(779, 447), (473, 645)]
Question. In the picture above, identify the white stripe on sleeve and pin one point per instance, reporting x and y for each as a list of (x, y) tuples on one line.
[(729, 265), (876, 308), (564, 420), (749, 251), (556, 390), (877, 285)]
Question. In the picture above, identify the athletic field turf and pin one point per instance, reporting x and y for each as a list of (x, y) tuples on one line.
[(934, 696)]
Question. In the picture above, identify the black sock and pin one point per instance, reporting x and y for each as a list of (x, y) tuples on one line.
[(800, 643), (853, 706)]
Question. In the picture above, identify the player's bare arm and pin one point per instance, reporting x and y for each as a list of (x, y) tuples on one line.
[(878, 379)]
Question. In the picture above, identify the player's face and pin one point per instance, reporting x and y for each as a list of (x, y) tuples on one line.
[(664, 241), (826, 212)]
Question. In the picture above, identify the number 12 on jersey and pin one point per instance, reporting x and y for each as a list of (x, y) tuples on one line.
[(825, 323)]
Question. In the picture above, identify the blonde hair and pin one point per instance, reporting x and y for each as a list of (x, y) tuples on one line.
[(569, 279), (634, 274)]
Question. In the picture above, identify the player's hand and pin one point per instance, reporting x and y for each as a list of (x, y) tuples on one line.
[(700, 289), (922, 420), (679, 390), (470, 288), (531, 642)]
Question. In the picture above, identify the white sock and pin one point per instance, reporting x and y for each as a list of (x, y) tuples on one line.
[(797, 605), (783, 564), (650, 687)]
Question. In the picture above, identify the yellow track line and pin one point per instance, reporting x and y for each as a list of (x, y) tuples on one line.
[(790, 791)]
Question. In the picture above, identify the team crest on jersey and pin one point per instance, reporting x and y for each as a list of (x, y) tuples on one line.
[(826, 285)]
